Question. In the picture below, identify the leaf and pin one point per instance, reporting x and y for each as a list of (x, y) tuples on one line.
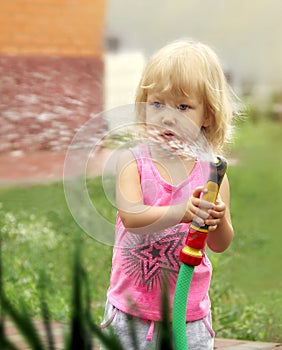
[(24, 325)]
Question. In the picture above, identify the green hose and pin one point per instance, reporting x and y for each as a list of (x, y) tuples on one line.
[(180, 305), (191, 255)]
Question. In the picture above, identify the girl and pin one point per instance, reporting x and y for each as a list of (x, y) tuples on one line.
[(185, 95)]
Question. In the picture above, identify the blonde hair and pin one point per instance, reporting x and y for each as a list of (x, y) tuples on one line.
[(191, 68)]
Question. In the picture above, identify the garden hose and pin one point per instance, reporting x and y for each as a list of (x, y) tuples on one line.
[(191, 255)]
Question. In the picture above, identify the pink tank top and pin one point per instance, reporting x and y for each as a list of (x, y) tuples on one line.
[(140, 261)]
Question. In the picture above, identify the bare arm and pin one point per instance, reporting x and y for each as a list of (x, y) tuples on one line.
[(140, 218), (135, 215), (221, 230)]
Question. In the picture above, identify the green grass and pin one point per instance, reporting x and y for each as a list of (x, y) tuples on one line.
[(247, 283), (39, 233), (256, 202)]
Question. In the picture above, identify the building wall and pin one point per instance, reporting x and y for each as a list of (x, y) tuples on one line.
[(52, 27), (51, 71)]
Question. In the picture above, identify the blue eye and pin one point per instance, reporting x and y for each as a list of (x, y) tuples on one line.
[(157, 104), (183, 107)]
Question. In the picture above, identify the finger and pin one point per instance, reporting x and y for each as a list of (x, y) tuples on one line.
[(212, 222), (199, 221), (206, 205), (203, 214), (198, 191), (212, 227), (219, 205), (216, 214), (199, 203)]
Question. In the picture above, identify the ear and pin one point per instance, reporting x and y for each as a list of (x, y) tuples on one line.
[(207, 121)]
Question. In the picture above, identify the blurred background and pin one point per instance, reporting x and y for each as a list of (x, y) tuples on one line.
[(245, 36), (63, 62)]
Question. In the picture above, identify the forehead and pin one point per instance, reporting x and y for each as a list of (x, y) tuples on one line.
[(169, 95), (174, 77)]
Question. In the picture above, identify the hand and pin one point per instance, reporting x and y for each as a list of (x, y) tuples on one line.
[(198, 209), (216, 214)]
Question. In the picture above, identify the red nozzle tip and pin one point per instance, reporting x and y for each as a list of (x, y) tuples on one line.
[(190, 256)]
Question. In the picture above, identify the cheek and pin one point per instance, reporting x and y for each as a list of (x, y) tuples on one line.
[(189, 129), (188, 121), (152, 116)]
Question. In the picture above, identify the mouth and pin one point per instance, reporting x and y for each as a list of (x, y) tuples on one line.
[(168, 134), (160, 136)]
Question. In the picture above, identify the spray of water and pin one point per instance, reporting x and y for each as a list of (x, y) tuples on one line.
[(90, 164)]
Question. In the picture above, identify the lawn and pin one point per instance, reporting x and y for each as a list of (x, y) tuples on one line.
[(247, 283), (38, 234)]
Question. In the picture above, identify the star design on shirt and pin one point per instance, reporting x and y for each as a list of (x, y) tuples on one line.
[(155, 252), (149, 256)]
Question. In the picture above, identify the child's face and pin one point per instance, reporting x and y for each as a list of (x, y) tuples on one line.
[(176, 117)]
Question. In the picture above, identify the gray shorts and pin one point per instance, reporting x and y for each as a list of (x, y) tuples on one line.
[(199, 333)]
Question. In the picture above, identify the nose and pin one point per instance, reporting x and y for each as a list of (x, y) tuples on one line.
[(168, 118)]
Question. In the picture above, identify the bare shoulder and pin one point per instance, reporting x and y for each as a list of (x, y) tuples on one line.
[(126, 159), (128, 188), (225, 182), (225, 189)]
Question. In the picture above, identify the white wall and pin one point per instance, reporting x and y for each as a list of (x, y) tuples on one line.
[(122, 74), (245, 34)]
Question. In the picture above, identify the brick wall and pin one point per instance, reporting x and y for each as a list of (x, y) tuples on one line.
[(52, 27), (51, 71)]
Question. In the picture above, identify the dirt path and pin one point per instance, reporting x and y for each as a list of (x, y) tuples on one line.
[(31, 168), (42, 166), (59, 330)]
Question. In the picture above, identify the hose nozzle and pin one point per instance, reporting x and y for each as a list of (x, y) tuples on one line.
[(192, 254)]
